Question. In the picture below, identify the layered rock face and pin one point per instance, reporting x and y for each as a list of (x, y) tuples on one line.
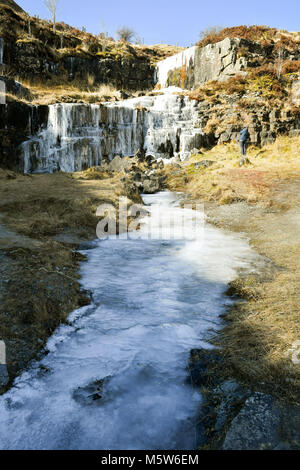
[(29, 49), (223, 122), (32, 62), (12, 4), (198, 65), (18, 121)]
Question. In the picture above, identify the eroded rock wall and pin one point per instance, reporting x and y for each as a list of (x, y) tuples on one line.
[(198, 65), (18, 121)]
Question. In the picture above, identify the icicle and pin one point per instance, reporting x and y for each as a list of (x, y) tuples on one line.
[(78, 135), (1, 50)]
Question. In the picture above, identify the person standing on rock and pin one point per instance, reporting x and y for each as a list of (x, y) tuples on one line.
[(244, 135)]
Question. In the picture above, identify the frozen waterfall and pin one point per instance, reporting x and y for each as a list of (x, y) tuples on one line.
[(175, 62), (78, 136)]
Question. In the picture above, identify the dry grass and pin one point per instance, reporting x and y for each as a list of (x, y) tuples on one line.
[(261, 80), (260, 332), (252, 183), (45, 205), (263, 34), (45, 217), (80, 92)]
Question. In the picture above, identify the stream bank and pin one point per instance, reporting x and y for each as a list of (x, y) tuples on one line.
[(125, 355), (255, 401), (44, 219)]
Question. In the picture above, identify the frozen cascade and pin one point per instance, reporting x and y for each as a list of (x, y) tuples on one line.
[(164, 67), (1, 50), (154, 299), (70, 142), (78, 136)]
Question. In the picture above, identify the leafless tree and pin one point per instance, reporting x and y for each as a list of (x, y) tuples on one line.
[(51, 6), (126, 34), (279, 63), (210, 30)]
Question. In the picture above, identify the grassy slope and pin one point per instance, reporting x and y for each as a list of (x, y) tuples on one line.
[(261, 200), (43, 218)]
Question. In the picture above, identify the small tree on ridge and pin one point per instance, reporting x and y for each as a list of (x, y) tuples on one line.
[(125, 34), (51, 6)]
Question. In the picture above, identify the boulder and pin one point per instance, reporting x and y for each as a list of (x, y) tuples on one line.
[(151, 185), (255, 427), (120, 164), (140, 155)]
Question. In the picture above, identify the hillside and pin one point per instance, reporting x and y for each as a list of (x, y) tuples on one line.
[(32, 51), (13, 5), (86, 120)]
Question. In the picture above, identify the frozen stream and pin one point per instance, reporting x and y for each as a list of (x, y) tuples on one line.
[(153, 301)]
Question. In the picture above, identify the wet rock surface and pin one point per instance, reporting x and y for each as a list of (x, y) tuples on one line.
[(91, 394), (256, 425), (222, 399), (234, 417)]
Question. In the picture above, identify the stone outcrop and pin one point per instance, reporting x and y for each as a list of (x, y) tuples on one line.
[(217, 62), (220, 61), (32, 60), (223, 122), (198, 65), (29, 49), (255, 427), (18, 120), (12, 4), (264, 424), (233, 417)]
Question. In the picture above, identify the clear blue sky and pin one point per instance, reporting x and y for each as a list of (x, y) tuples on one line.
[(170, 21)]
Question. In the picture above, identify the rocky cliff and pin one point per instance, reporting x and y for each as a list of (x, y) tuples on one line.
[(29, 49), (18, 120), (220, 61)]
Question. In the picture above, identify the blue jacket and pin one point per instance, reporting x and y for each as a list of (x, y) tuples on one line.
[(244, 134)]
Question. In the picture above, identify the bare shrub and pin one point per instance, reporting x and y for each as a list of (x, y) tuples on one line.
[(210, 30), (126, 34), (252, 33)]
